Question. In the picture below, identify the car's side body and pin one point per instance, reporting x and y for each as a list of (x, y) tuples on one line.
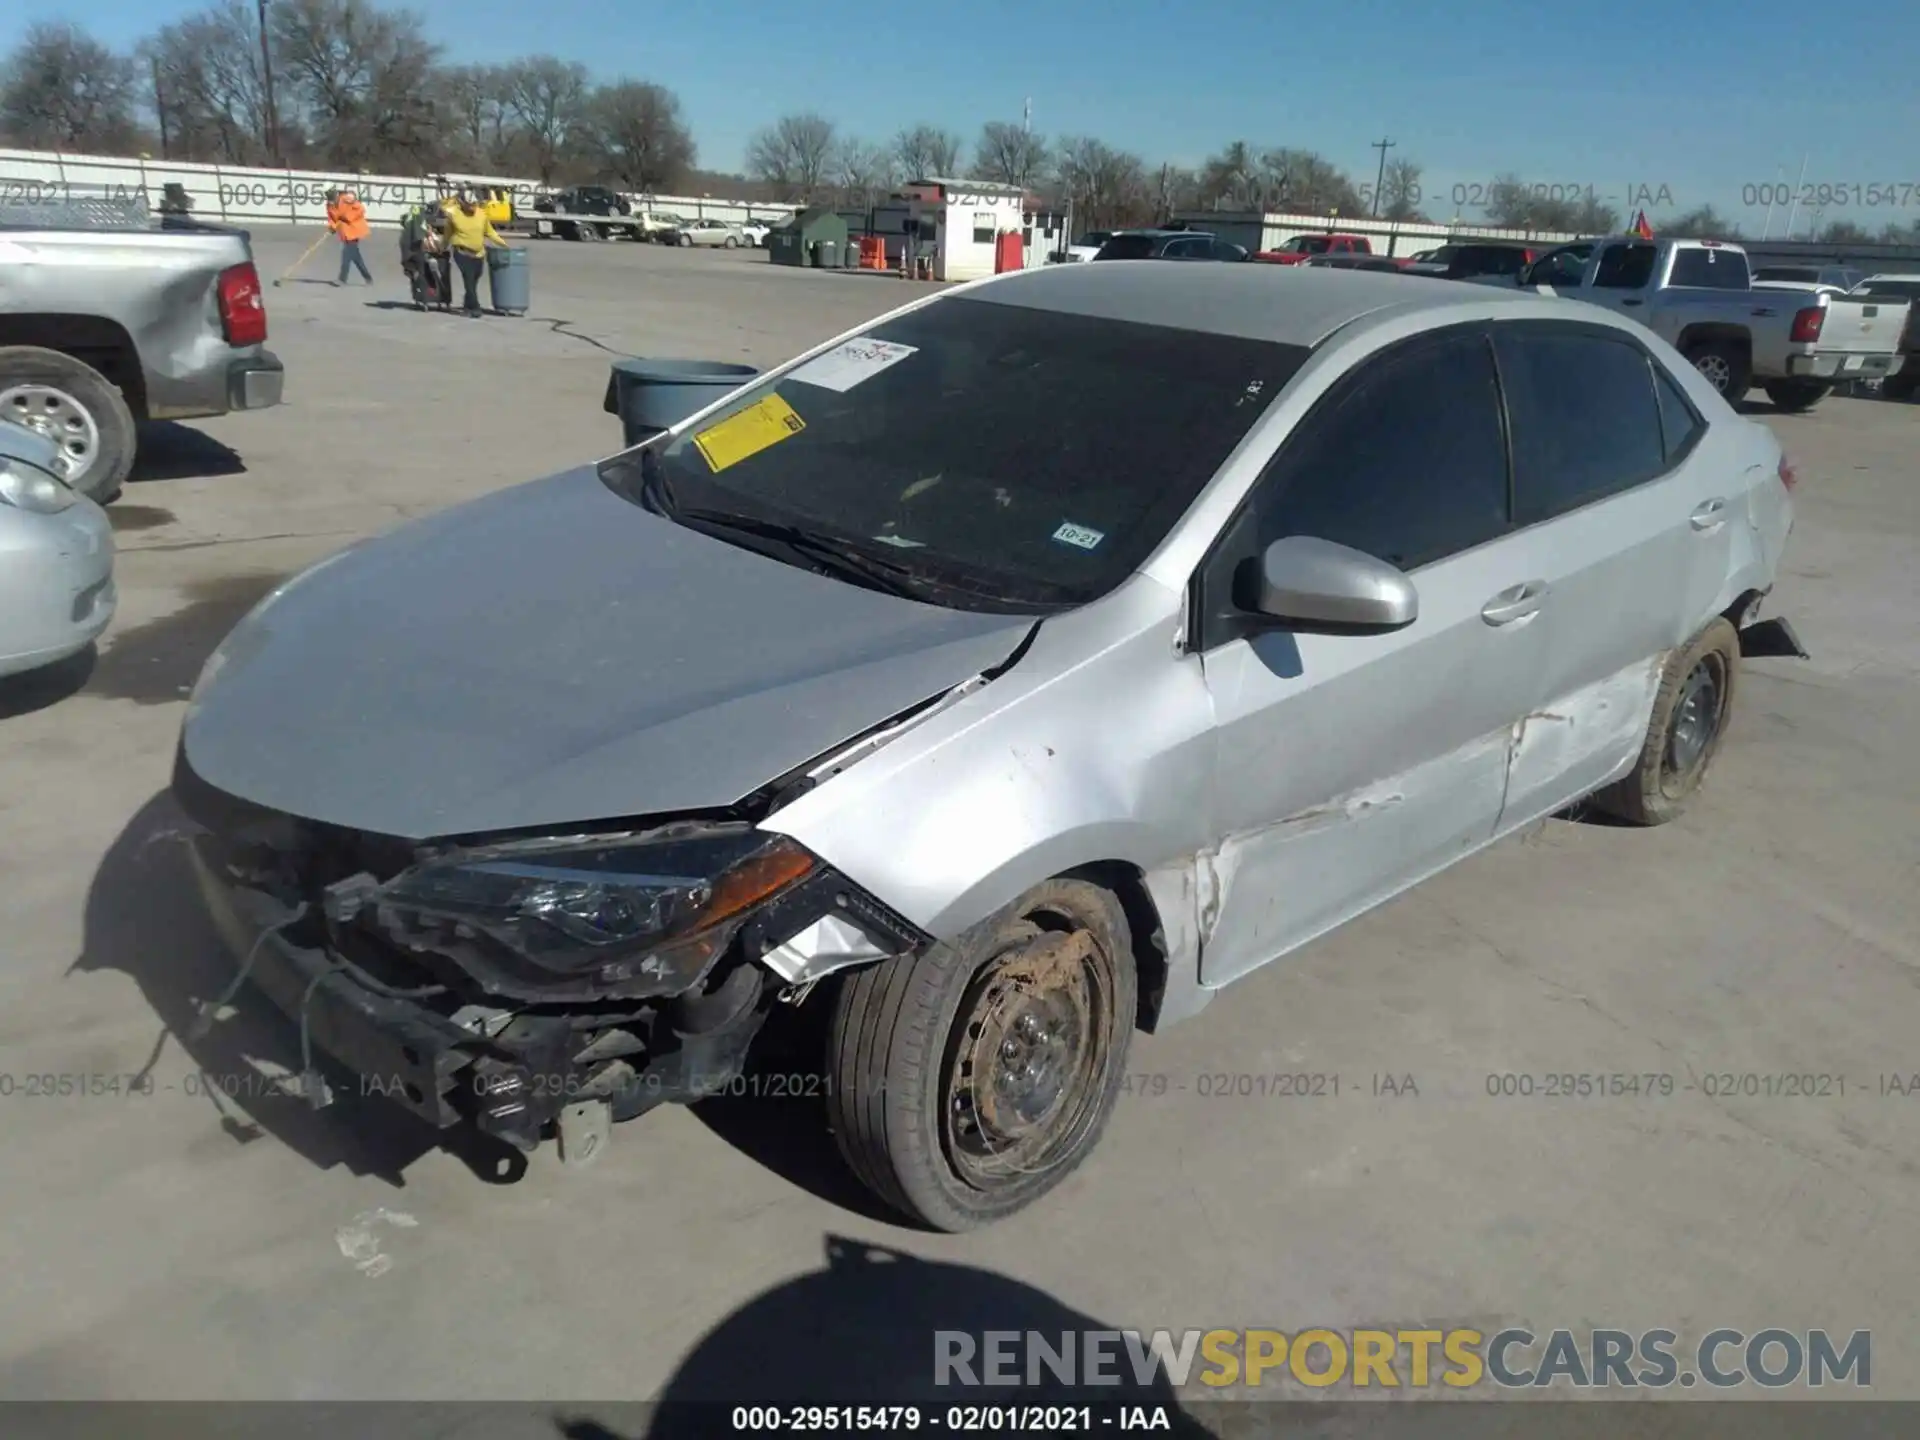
[(56, 569), (1265, 789)]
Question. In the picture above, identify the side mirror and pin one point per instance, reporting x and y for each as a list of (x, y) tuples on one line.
[(1316, 585)]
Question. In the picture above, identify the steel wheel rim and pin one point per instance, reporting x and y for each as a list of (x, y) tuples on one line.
[(1696, 716), (1027, 1066), (1719, 374), (55, 414)]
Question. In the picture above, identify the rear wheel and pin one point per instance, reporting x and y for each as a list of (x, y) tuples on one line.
[(686, 240), (969, 1081), (1690, 713), (1727, 366), (1796, 395), (732, 242), (76, 407)]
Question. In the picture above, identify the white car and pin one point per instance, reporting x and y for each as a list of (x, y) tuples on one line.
[(755, 233), (56, 557), (709, 232)]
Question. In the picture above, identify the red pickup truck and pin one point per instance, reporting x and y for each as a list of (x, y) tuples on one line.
[(1301, 247)]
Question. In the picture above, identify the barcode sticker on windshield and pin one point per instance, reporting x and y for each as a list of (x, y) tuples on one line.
[(1079, 535), (846, 366)]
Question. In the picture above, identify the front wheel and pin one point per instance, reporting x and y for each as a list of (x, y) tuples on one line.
[(1690, 713), (732, 242), (971, 1080), (1795, 396), (686, 241)]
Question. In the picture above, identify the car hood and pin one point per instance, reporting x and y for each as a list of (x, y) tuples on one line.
[(553, 654)]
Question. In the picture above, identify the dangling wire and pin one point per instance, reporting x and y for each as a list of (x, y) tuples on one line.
[(203, 1023)]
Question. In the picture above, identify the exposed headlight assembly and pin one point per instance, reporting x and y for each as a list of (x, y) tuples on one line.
[(635, 914)]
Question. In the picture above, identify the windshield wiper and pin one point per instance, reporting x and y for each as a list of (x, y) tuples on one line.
[(823, 552)]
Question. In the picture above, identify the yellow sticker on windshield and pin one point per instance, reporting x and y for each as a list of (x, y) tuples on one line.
[(764, 423)]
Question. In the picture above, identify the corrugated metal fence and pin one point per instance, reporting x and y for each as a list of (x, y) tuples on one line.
[(244, 195)]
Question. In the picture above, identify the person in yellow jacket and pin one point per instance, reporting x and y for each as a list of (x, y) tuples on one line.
[(469, 230)]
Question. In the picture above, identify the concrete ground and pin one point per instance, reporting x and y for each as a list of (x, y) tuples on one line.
[(183, 1244)]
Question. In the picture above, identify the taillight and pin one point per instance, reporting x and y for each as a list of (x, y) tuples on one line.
[(1807, 323), (1789, 476), (243, 309)]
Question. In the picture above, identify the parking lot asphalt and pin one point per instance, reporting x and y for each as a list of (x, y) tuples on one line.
[(212, 1239)]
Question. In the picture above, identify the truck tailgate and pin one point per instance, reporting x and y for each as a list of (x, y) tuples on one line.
[(1862, 327)]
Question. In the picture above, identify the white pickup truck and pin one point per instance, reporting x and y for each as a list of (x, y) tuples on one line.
[(1698, 295)]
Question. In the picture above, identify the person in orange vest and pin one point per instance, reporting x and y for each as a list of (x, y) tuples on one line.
[(348, 220)]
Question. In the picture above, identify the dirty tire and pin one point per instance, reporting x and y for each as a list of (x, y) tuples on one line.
[(1795, 396), (115, 438), (905, 1033), (1656, 791), (1727, 367)]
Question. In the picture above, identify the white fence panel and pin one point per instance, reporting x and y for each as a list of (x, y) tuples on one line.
[(244, 195)]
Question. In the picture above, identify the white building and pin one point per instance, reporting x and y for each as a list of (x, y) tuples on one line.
[(959, 223)]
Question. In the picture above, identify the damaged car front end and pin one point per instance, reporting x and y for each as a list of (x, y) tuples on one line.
[(528, 986)]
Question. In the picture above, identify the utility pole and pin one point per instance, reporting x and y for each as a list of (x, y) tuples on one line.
[(266, 73), (1379, 179), (1026, 117), (160, 108)]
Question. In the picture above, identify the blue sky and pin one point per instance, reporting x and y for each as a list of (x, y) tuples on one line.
[(1696, 109)]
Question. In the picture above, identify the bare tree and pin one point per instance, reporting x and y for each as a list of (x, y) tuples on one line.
[(63, 90), (925, 152), (792, 155), (1308, 183), (209, 86), (638, 134), (1844, 232), (1702, 223), (1234, 180), (1589, 215), (1174, 188), (362, 76), (861, 172), (1010, 154), (1107, 187), (549, 98), (1400, 193), (474, 100)]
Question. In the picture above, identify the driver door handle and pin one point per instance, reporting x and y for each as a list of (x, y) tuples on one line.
[(1517, 602), (1710, 516)]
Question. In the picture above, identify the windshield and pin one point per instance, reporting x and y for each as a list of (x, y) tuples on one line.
[(998, 457), (1307, 245), (1709, 270)]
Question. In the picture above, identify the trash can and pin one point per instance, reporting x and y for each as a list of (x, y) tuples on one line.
[(826, 254), (509, 280), (850, 255), (654, 395)]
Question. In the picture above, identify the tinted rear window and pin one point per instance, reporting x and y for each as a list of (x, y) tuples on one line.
[(1584, 417), (1034, 456), (1709, 270), (1128, 247), (1491, 260)]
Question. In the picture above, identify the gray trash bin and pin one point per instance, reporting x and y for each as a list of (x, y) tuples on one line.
[(509, 280), (654, 395), (826, 254)]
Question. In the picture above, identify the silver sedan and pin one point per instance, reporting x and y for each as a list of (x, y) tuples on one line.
[(1031, 664), (710, 232), (56, 558)]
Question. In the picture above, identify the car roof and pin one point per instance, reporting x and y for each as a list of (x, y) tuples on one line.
[(1289, 305)]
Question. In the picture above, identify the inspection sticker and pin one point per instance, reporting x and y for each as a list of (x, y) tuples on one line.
[(1079, 535), (846, 366), (764, 423)]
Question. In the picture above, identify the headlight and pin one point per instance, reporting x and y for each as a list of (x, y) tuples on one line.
[(656, 908), (25, 488)]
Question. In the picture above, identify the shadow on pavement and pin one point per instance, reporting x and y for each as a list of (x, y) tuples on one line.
[(38, 689), (862, 1332), (144, 918), (157, 661), (171, 451)]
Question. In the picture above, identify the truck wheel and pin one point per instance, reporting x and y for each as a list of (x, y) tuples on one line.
[(76, 406), (1690, 712), (971, 1080), (1795, 396), (1727, 366)]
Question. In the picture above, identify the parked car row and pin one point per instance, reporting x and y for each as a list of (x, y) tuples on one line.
[(565, 214)]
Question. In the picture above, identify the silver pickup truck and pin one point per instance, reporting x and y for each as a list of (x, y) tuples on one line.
[(109, 316), (1698, 295)]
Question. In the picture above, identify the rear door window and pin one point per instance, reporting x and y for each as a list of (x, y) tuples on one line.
[(1680, 423), (1584, 419), (1625, 267)]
